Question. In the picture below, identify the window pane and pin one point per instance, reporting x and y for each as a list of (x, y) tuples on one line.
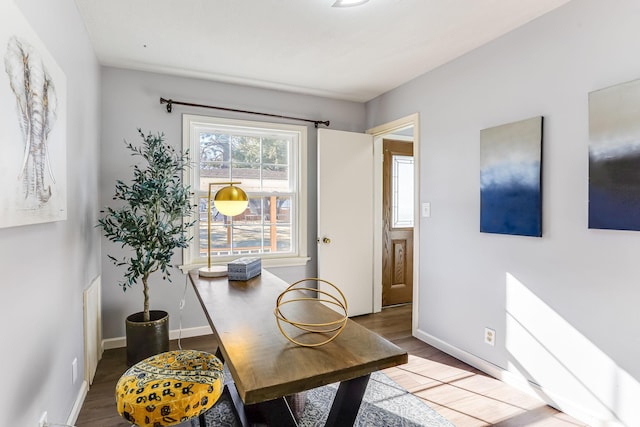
[(247, 238), (220, 238), (214, 147), (245, 149), (402, 185), (248, 175), (267, 210), (275, 151), (276, 179), (213, 172), (277, 238), (283, 211)]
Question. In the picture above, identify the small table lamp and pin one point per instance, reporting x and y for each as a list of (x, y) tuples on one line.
[(229, 201)]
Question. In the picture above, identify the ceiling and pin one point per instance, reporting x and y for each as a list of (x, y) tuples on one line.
[(303, 46)]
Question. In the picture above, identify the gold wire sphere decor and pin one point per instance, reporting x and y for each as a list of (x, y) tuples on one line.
[(330, 329)]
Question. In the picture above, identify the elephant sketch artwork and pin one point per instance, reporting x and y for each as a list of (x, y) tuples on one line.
[(33, 132)]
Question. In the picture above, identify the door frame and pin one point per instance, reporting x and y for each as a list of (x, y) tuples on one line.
[(379, 133)]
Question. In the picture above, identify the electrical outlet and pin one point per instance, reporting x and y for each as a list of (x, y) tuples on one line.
[(43, 422), (490, 336)]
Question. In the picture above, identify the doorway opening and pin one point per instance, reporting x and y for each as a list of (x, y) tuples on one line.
[(405, 129), (397, 222)]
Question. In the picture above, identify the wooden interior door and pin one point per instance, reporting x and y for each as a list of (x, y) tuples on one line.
[(397, 228)]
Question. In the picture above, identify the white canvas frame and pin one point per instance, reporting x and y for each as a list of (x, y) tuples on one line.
[(33, 162)]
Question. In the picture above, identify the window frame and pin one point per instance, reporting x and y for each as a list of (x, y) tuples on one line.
[(191, 124)]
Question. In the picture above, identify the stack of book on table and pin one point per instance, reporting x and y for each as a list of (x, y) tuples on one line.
[(244, 268)]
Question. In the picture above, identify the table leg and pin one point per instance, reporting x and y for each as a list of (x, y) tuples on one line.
[(277, 412), (347, 402), (230, 388), (237, 404)]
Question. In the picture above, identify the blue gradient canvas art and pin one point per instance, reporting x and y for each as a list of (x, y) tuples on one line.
[(614, 157), (510, 178)]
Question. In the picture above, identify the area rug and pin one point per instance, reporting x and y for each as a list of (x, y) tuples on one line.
[(385, 404)]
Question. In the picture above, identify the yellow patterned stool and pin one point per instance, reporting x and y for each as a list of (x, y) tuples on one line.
[(170, 388)]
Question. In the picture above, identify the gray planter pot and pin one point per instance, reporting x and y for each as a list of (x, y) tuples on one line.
[(146, 339)]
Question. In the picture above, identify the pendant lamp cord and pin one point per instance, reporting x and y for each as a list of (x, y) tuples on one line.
[(181, 307)]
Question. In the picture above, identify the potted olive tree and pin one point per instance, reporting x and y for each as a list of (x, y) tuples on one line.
[(149, 221)]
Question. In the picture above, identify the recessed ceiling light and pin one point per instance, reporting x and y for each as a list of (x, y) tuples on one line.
[(348, 3)]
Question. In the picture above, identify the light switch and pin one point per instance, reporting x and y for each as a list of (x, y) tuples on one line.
[(426, 210)]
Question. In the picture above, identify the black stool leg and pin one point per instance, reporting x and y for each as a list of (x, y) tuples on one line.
[(203, 421)]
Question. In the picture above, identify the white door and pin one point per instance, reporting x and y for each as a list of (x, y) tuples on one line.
[(345, 216)]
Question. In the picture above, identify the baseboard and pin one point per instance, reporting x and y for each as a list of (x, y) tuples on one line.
[(77, 405), (119, 342), (550, 398)]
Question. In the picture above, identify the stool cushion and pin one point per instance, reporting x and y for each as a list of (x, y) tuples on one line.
[(169, 388)]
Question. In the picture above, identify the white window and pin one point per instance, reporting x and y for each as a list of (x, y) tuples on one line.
[(402, 184), (269, 161)]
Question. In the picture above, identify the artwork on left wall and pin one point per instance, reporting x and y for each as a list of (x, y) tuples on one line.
[(511, 178), (614, 157), (33, 126)]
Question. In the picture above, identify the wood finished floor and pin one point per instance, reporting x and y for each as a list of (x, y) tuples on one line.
[(462, 394)]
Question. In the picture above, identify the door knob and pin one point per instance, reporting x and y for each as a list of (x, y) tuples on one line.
[(326, 240)]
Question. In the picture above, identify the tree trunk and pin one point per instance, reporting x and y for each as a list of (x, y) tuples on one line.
[(145, 291)]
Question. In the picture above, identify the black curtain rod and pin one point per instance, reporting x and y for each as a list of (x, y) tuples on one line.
[(170, 103)]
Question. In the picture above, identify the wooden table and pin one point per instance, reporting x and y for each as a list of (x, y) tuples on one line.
[(265, 366)]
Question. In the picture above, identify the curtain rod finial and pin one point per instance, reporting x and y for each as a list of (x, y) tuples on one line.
[(169, 103)]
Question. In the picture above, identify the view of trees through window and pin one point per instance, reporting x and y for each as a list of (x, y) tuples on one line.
[(261, 161)]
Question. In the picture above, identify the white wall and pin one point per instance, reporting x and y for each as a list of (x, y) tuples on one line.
[(46, 266), (564, 306), (131, 101)]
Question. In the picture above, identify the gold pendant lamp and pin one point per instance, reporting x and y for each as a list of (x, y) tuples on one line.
[(229, 201)]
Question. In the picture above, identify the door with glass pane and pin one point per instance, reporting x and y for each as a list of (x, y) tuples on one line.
[(397, 223)]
